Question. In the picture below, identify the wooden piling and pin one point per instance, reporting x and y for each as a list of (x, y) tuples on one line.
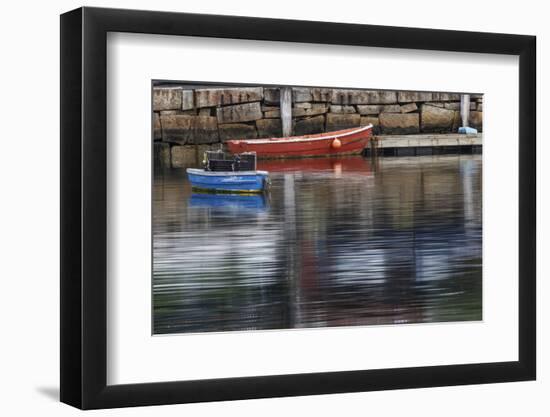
[(464, 109), (286, 110)]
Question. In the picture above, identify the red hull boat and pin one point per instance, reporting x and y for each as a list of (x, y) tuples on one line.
[(348, 141)]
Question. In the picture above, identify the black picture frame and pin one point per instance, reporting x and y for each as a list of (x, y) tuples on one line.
[(84, 207)]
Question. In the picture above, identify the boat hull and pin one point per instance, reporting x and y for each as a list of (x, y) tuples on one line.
[(342, 142), (229, 182)]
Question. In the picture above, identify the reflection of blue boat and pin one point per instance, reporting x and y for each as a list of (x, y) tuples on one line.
[(241, 201), (235, 175)]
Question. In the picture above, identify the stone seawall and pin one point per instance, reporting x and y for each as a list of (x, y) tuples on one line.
[(186, 122)]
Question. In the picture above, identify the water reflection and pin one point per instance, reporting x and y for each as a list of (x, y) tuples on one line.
[(228, 201), (336, 242)]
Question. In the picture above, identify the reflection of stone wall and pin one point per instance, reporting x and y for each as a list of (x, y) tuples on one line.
[(185, 119)]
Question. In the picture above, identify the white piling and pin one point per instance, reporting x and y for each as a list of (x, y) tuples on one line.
[(286, 110), (465, 109)]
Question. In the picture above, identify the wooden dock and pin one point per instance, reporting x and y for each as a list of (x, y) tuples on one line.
[(425, 144)]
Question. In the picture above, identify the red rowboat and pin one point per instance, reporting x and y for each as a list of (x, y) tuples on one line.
[(348, 141)]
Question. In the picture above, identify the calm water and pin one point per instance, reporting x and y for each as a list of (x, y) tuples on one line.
[(336, 242)]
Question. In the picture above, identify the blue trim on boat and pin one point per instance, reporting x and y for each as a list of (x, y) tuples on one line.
[(230, 181)]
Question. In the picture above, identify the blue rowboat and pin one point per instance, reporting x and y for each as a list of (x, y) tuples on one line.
[(228, 181)]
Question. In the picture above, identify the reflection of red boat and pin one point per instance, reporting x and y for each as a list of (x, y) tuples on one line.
[(354, 164), (348, 141)]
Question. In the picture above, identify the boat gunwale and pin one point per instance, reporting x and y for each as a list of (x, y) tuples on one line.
[(199, 171), (304, 138)]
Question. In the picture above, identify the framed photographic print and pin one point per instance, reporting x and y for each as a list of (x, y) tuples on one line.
[(256, 208)]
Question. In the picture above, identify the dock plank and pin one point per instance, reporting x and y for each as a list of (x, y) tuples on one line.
[(427, 140)]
